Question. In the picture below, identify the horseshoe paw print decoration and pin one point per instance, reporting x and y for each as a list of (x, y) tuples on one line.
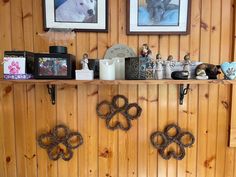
[(114, 109), (59, 142), (181, 139)]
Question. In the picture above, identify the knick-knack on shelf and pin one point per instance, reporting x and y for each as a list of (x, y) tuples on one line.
[(187, 64), (84, 62), (169, 65), (85, 73), (158, 67)]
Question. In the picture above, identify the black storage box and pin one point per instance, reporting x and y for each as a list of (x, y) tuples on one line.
[(93, 64), (55, 66), (135, 68)]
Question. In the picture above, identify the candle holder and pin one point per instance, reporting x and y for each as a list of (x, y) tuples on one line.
[(119, 68), (107, 69)]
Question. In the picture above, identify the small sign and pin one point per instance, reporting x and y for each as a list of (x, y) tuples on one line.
[(14, 65)]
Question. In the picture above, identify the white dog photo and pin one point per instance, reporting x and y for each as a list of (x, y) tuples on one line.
[(77, 11)]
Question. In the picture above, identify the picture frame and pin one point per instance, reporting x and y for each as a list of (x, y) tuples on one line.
[(54, 66), (78, 15), (158, 16)]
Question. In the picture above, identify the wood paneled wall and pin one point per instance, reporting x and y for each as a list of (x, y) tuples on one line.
[(26, 110)]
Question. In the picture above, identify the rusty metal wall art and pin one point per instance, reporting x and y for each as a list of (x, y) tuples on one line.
[(167, 139), (60, 142), (114, 109)]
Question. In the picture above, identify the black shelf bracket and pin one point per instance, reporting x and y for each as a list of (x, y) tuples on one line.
[(52, 93), (182, 92)]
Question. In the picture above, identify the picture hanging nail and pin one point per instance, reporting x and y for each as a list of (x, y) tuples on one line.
[(113, 108), (161, 141), (60, 142)]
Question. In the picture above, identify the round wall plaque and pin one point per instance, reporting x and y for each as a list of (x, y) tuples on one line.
[(119, 50)]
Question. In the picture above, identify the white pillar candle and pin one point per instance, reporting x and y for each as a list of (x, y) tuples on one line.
[(120, 68), (107, 69)]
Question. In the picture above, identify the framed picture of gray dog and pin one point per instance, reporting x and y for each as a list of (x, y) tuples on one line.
[(81, 15), (158, 16)]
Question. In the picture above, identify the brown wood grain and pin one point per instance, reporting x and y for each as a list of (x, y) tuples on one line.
[(26, 110)]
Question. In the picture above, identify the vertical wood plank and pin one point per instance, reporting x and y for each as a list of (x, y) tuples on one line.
[(3, 171), (20, 98), (92, 125), (8, 165), (67, 99), (152, 113), (123, 140), (27, 16), (193, 117), (30, 132), (226, 53), (132, 139), (232, 140), (17, 23), (162, 122), (9, 131), (162, 104), (5, 32), (114, 15), (83, 123), (172, 105), (108, 143), (45, 121), (172, 117), (203, 90), (40, 43), (183, 109), (143, 142), (213, 90), (122, 22)]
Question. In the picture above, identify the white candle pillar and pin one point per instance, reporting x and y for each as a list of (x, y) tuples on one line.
[(107, 69), (120, 68)]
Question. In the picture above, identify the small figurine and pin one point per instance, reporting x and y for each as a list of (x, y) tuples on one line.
[(210, 70), (84, 62), (201, 75), (85, 73), (145, 51), (158, 68), (169, 65), (187, 64)]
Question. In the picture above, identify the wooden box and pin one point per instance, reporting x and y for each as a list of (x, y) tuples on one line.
[(135, 68)]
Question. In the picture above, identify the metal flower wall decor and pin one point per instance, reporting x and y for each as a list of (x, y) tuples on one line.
[(60, 142), (167, 139), (114, 109)]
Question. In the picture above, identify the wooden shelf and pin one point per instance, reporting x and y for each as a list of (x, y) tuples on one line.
[(117, 82)]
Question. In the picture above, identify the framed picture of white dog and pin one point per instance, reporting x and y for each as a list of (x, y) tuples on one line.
[(81, 15), (158, 16)]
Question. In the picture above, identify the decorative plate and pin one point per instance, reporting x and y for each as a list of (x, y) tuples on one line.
[(119, 50), (229, 70)]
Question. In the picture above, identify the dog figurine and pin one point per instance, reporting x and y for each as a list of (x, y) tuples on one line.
[(209, 69), (76, 11)]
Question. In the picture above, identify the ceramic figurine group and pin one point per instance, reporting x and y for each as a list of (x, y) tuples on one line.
[(162, 69), (186, 69)]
